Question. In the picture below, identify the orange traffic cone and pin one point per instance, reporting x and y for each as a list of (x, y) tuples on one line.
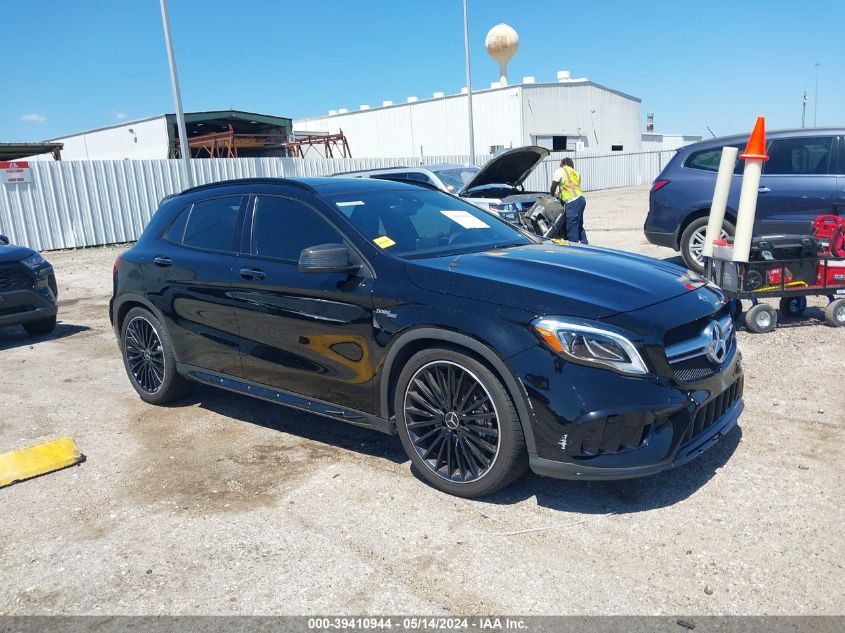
[(756, 148)]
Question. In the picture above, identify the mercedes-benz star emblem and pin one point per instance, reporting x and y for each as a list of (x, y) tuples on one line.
[(718, 348), (452, 420)]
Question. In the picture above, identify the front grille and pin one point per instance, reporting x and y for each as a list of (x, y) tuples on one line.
[(691, 350), (14, 277), (711, 412)]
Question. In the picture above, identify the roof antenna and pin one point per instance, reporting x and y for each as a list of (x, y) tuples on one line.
[(711, 131)]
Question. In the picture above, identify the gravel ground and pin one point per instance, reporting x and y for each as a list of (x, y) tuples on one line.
[(225, 505)]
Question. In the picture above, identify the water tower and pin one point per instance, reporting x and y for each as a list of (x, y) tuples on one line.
[(502, 42)]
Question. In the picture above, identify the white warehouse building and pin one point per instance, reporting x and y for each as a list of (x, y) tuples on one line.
[(567, 115)]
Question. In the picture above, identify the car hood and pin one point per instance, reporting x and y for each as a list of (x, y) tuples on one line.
[(568, 280), (510, 168), (11, 253)]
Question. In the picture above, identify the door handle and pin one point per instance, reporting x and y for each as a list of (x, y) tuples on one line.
[(162, 260), (763, 190), (252, 273)]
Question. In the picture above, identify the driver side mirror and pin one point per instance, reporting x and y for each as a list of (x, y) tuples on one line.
[(326, 258), (4, 241)]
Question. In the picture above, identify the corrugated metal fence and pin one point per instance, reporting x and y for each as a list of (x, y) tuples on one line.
[(88, 203)]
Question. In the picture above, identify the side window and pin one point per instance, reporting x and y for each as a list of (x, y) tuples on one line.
[(799, 156), (281, 228), (208, 224), (708, 160), (176, 231)]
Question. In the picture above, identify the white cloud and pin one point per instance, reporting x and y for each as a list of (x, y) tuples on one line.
[(120, 116), (33, 117)]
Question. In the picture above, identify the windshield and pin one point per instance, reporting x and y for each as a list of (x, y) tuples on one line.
[(424, 223), (456, 178)]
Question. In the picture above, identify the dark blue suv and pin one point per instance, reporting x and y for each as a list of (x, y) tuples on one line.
[(803, 178)]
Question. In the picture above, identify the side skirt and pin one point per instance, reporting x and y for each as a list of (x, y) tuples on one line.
[(286, 398)]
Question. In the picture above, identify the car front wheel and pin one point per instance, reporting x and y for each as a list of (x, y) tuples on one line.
[(692, 242), (458, 424)]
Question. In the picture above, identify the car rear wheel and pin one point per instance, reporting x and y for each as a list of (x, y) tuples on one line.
[(692, 242), (149, 359), (458, 424), (39, 328)]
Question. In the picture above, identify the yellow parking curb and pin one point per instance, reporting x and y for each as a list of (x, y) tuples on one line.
[(40, 459)]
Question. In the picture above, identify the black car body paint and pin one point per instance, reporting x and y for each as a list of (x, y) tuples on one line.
[(334, 343)]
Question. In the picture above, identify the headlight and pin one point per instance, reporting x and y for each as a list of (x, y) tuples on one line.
[(591, 345), (503, 206), (33, 261)]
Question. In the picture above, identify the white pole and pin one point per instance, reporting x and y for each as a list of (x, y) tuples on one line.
[(747, 209), (184, 149), (469, 86), (720, 198)]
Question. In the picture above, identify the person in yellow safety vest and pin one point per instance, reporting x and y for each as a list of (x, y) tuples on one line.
[(566, 183)]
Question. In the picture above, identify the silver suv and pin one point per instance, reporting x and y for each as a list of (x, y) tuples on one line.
[(496, 187)]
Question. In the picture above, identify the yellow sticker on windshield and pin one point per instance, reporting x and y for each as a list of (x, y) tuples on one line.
[(560, 242), (384, 242)]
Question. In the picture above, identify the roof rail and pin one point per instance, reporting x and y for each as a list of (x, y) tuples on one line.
[(256, 181)]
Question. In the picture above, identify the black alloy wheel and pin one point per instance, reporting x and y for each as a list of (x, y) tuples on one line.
[(149, 358), (452, 421), (458, 423), (144, 354)]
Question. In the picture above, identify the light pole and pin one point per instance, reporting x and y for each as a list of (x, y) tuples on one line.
[(816, 98), (469, 86), (184, 148)]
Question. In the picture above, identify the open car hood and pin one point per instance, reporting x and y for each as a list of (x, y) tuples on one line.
[(510, 168)]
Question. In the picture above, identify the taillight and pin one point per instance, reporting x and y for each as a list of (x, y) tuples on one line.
[(659, 184), (116, 265)]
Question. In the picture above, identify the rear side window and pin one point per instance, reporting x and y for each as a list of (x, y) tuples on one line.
[(283, 227), (799, 156), (208, 225), (708, 160)]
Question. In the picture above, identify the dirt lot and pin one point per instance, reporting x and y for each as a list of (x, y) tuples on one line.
[(226, 505)]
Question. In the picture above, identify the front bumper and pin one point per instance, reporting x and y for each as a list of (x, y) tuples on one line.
[(19, 305), (591, 423), (687, 452)]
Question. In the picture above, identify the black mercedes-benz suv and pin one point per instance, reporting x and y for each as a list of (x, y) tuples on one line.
[(409, 311), (28, 291)]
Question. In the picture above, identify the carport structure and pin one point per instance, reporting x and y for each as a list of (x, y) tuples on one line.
[(17, 151)]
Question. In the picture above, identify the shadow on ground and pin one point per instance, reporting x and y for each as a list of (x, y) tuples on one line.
[(11, 337), (299, 423), (597, 497)]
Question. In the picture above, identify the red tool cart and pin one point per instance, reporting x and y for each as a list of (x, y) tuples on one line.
[(791, 267)]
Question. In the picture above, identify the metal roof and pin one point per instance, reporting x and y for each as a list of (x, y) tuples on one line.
[(14, 151), (194, 117)]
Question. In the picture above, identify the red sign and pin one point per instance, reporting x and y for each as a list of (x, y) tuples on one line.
[(15, 172)]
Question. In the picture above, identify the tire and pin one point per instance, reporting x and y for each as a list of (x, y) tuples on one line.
[(39, 328), (834, 313), (793, 306), (692, 241), (761, 318), (434, 397), (149, 360)]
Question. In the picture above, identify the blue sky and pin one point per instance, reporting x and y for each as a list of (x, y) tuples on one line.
[(72, 66)]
